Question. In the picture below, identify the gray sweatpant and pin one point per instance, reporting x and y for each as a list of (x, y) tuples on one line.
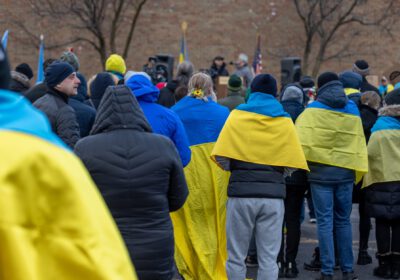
[(265, 216)]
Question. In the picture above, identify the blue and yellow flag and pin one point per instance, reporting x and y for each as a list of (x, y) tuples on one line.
[(383, 152), (4, 40), (40, 72), (260, 132), (183, 52), (199, 226), (333, 136), (54, 223)]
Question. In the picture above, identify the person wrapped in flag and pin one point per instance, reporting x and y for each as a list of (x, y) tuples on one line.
[(259, 146), (382, 185), (53, 222), (331, 133), (199, 227)]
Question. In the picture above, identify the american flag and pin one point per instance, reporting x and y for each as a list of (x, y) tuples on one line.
[(257, 62)]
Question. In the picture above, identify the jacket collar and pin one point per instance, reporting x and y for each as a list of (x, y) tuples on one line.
[(390, 111), (59, 94)]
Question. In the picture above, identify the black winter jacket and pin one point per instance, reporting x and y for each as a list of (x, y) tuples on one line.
[(383, 200), (61, 116), (368, 118), (141, 178), (35, 92), (167, 94), (19, 82), (253, 180), (365, 86)]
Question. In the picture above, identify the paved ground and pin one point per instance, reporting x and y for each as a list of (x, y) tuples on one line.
[(309, 241)]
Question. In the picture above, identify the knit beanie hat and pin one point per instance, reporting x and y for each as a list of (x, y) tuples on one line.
[(235, 83), (72, 59), (327, 77), (307, 82), (5, 76), (99, 86), (361, 67), (115, 63), (393, 97), (25, 69), (351, 79), (293, 93), (56, 73), (264, 83)]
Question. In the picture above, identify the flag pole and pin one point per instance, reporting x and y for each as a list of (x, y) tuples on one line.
[(40, 72)]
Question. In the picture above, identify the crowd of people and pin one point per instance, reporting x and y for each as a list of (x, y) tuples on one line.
[(120, 177)]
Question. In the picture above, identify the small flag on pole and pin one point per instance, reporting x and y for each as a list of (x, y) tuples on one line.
[(183, 52), (4, 39), (257, 62), (40, 72)]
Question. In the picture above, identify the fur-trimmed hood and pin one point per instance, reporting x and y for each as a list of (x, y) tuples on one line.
[(21, 78), (390, 111)]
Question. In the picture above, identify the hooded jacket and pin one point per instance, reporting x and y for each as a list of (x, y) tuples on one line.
[(85, 114), (293, 99), (62, 116), (140, 177), (352, 83), (162, 120), (332, 95), (19, 82)]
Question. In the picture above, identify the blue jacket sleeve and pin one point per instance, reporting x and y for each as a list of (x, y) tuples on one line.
[(181, 142)]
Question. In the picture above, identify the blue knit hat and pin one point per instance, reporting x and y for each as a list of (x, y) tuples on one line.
[(264, 83), (57, 72)]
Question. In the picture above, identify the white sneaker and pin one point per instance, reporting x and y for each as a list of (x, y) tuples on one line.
[(313, 221)]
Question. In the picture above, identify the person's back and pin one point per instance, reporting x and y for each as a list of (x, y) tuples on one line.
[(352, 83), (362, 67), (254, 145), (162, 120), (140, 177), (203, 121), (58, 218), (234, 97), (332, 137)]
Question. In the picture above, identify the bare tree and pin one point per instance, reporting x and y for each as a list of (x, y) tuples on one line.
[(326, 22), (96, 22)]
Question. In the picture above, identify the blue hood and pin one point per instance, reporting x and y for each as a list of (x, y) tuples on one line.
[(143, 89), (332, 94), (351, 79)]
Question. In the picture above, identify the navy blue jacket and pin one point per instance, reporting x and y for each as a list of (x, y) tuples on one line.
[(85, 114)]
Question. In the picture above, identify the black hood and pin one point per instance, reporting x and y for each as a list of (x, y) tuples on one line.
[(332, 94), (119, 109)]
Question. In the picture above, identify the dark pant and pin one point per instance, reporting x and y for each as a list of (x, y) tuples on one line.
[(387, 236), (364, 225), (310, 205), (293, 205)]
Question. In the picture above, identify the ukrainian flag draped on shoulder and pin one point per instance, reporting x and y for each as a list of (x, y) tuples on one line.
[(260, 132), (54, 223), (333, 136), (384, 151), (199, 226)]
